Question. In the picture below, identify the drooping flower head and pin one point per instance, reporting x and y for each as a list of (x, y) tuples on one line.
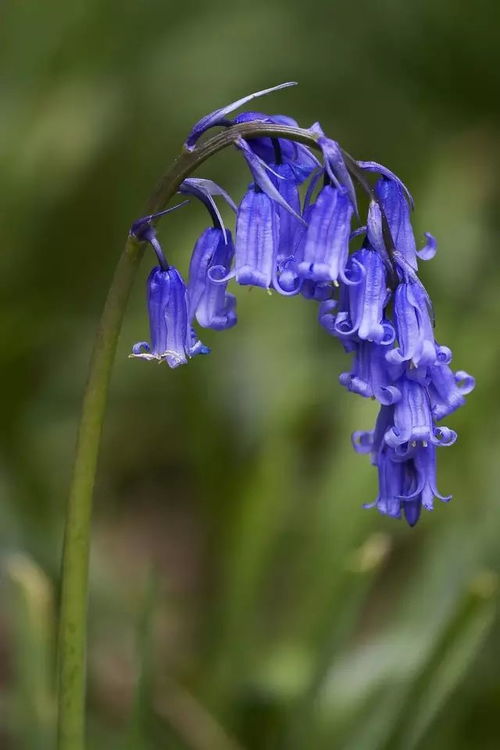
[(301, 242)]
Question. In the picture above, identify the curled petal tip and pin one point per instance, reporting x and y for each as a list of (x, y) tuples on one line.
[(430, 248)]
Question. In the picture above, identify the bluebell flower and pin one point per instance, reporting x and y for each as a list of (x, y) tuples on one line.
[(406, 485), (371, 300), (209, 300), (447, 389), (393, 479), (267, 226), (414, 329), (291, 232), (425, 463), (370, 375), (172, 338), (257, 237), (413, 420), (368, 298), (326, 241), (394, 203)]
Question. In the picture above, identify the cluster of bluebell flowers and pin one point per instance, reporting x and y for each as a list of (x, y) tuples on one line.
[(297, 241)]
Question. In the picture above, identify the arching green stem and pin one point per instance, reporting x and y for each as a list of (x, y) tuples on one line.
[(73, 613)]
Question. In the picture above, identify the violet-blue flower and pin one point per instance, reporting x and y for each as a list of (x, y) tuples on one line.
[(394, 203), (372, 299), (368, 298), (257, 237), (370, 375), (326, 242), (407, 484), (413, 420), (447, 389), (172, 339), (209, 300), (414, 328)]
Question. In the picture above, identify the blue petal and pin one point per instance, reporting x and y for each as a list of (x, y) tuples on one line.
[(429, 250)]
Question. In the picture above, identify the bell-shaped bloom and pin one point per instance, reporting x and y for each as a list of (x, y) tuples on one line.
[(257, 238), (447, 389), (414, 328), (368, 298), (291, 231), (413, 420), (391, 484), (424, 461), (406, 486), (394, 203), (370, 375), (326, 241), (172, 339), (209, 300)]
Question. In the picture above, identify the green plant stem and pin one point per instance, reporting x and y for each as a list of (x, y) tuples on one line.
[(72, 633), (74, 588)]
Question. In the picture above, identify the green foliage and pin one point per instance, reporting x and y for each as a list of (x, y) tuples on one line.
[(282, 615)]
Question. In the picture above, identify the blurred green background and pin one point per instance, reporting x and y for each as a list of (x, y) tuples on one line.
[(240, 595)]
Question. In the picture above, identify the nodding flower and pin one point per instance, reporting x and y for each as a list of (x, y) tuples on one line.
[(172, 339), (364, 279), (209, 301)]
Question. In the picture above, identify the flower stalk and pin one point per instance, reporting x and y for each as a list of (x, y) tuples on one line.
[(75, 561)]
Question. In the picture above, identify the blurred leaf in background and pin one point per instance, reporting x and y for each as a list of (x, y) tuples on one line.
[(284, 615)]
